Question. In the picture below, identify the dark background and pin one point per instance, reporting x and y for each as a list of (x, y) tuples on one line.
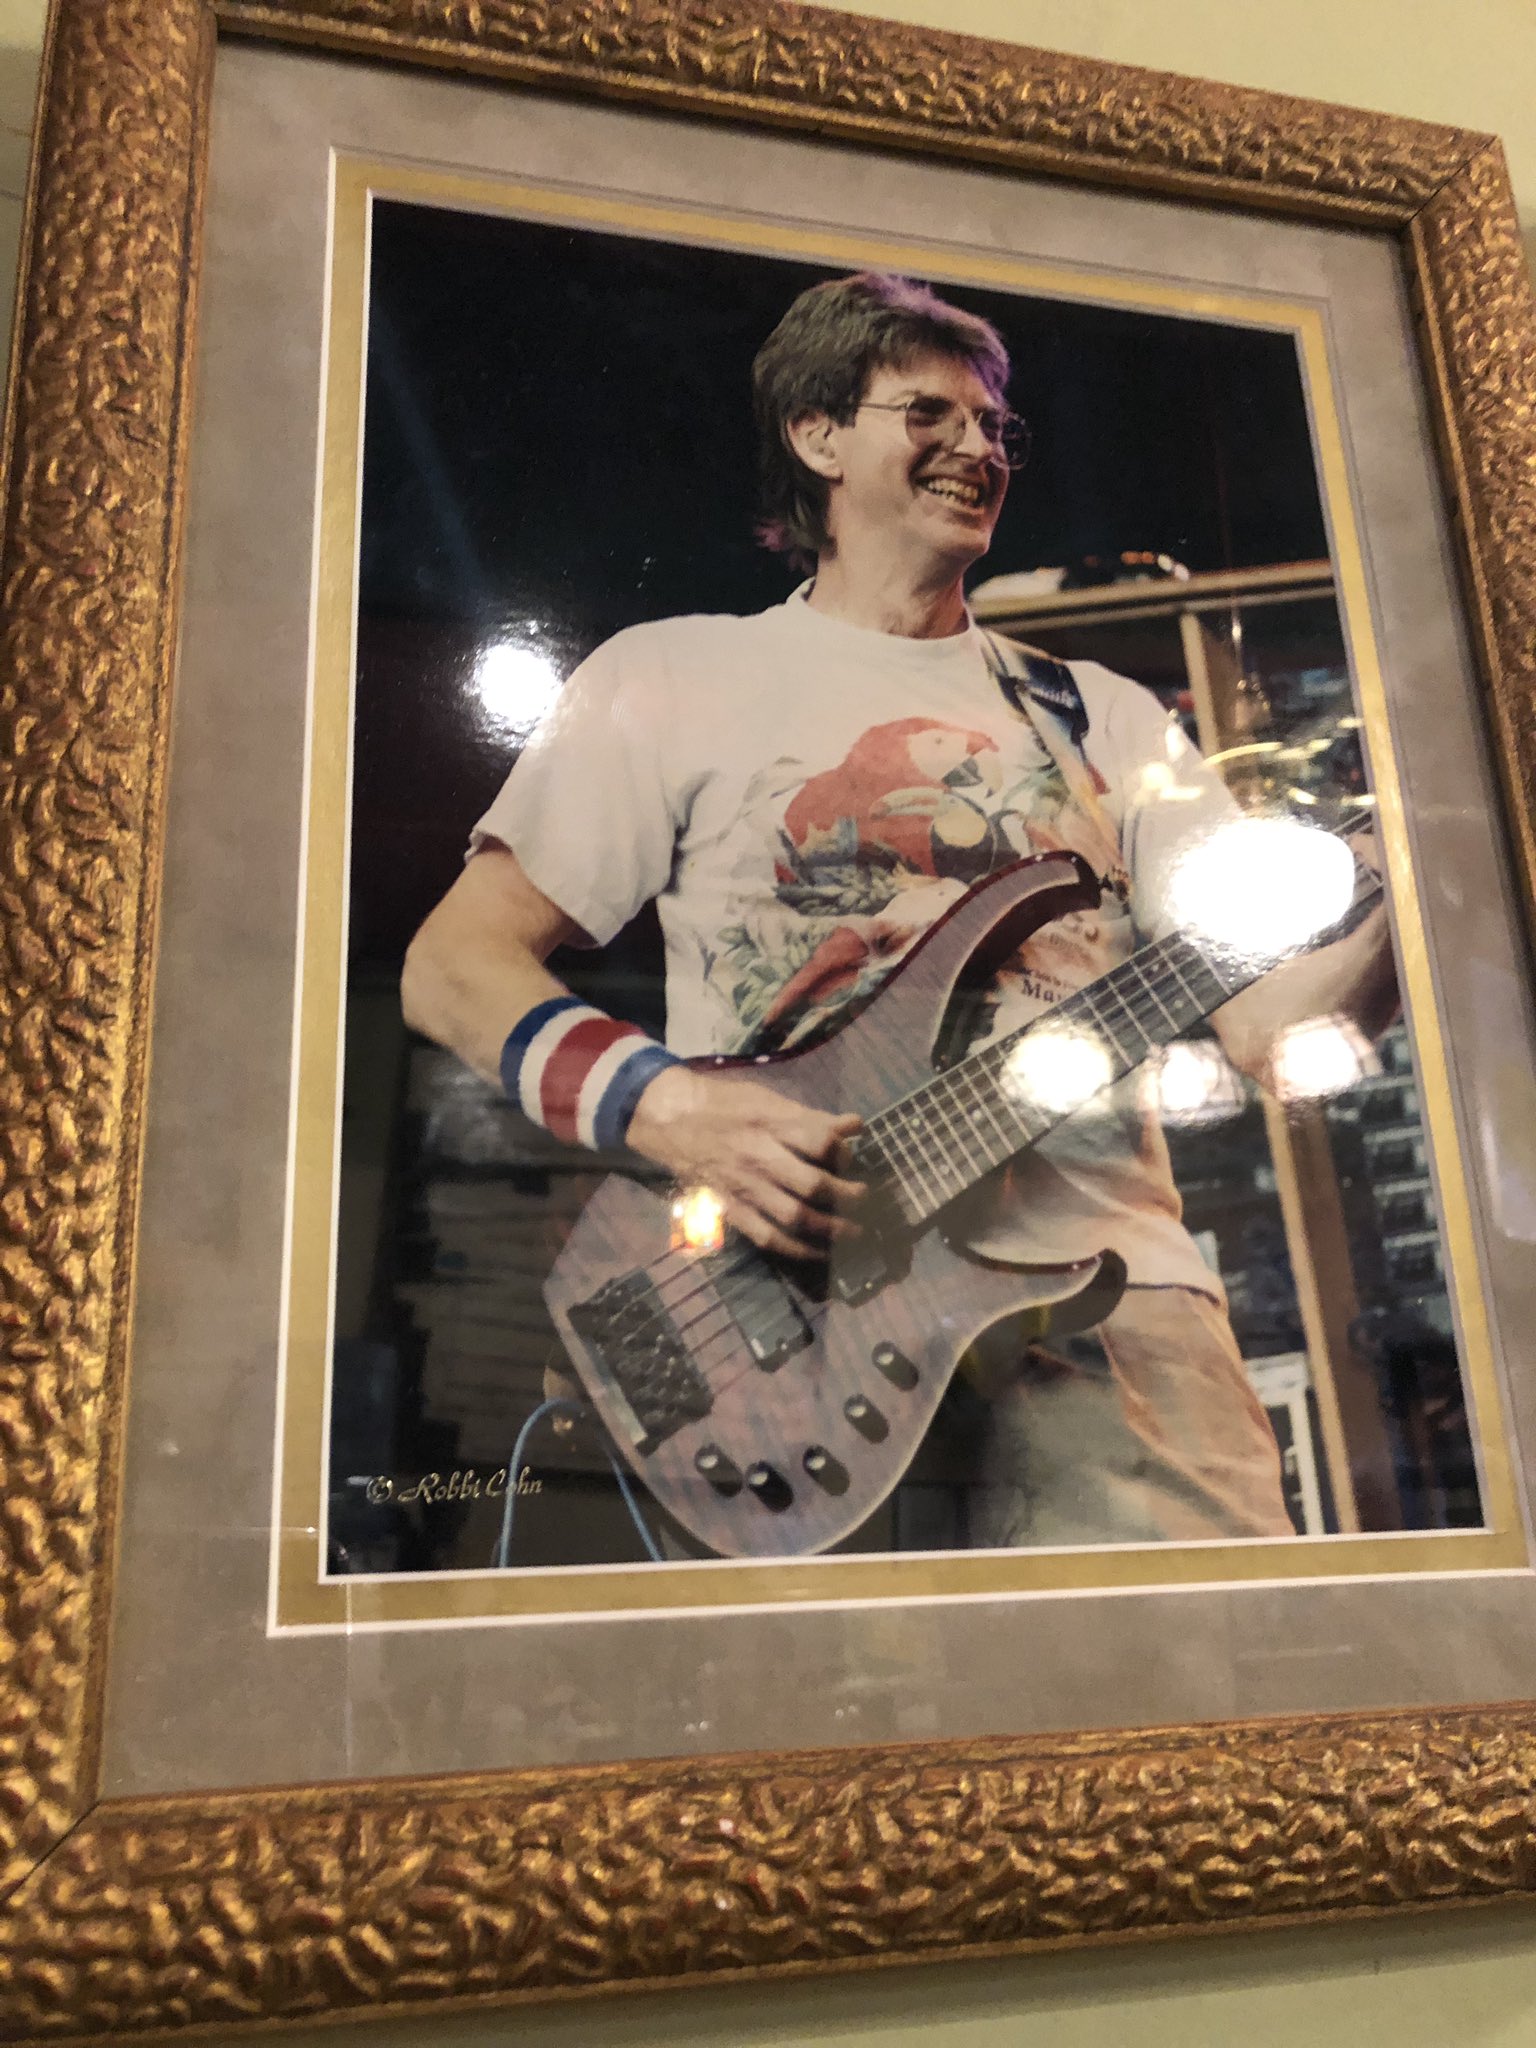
[(559, 443)]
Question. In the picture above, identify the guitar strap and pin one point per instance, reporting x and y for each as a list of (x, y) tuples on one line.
[(1043, 692)]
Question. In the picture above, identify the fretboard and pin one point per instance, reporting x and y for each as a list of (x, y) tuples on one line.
[(938, 1142)]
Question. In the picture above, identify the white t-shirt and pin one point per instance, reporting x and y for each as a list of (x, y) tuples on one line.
[(803, 797)]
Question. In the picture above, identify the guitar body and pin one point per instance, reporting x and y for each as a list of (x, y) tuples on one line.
[(770, 1408)]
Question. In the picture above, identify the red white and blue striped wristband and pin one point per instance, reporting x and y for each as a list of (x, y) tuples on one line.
[(579, 1073)]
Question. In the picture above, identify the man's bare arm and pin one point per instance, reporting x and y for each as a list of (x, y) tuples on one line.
[(477, 966), (1355, 978), (477, 963)]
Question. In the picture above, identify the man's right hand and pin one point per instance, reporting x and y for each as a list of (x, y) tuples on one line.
[(774, 1164)]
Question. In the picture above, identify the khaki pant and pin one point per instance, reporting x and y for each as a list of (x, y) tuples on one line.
[(1143, 1430)]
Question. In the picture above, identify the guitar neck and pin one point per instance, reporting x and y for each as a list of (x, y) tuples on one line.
[(938, 1142)]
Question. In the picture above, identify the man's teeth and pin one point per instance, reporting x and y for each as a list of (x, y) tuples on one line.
[(952, 487)]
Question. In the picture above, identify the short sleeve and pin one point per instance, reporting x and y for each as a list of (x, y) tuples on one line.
[(1162, 792), (588, 808)]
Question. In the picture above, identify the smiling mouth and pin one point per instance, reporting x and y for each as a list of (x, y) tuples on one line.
[(956, 491)]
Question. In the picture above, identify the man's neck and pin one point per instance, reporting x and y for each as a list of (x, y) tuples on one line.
[(883, 600)]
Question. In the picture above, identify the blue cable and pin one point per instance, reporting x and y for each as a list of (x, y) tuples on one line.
[(578, 1411), (627, 1488), (550, 1407)]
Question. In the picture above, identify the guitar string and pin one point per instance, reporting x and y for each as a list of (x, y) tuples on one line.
[(1168, 964), (710, 1278), (1171, 975), (727, 1329), (748, 1252), (1003, 1049), (1169, 972), (942, 1098), (895, 1120), (938, 1094), (698, 1341), (1173, 964), (1166, 950)]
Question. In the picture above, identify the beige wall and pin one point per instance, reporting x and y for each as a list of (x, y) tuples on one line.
[(1472, 63), (21, 32), (1459, 1980)]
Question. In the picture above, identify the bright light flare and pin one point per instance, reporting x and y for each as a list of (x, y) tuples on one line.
[(1159, 785), (698, 1221), (517, 686), (1057, 1069), (1322, 1057), (1194, 1082), (1262, 887)]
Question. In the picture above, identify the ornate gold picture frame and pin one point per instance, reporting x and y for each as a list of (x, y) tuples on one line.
[(130, 1914)]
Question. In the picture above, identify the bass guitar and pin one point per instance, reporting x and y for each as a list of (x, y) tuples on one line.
[(770, 1407)]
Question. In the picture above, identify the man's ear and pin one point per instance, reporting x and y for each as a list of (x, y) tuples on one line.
[(811, 436)]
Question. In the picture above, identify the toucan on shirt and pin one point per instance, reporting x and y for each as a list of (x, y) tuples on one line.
[(804, 797)]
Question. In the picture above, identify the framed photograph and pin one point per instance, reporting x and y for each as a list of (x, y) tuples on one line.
[(449, 545), (1061, 786)]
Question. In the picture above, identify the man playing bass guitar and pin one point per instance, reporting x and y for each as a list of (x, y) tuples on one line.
[(805, 792)]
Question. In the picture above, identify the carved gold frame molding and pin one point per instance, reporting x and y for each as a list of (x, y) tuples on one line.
[(131, 1915)]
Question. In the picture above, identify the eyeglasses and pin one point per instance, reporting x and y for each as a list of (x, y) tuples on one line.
[(933, 420)]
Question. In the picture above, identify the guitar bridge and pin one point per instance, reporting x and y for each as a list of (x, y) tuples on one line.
[(635, 1348)]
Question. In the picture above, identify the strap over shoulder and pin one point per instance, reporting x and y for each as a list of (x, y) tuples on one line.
[(1025, 671), (1044, 693)]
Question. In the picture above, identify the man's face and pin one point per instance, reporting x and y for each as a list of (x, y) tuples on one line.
[(915, 495)]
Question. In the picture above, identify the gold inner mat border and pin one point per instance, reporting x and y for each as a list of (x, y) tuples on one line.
[(301, 1597)]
